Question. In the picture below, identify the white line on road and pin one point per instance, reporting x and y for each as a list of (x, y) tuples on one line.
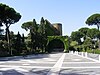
[(30, 61), (2, 62), (78, 62), (88, 58), (26, 64), (81, 67), (56, 68), (13, 66)]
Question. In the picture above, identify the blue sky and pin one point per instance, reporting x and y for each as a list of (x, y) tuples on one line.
[(71, 13)]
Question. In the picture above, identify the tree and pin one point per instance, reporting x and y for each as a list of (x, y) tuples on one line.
[(76, 36), (98, 34), (28, 26), (23, 44), (18, 43), (42, 26), (42, 32), (33, 27), (87, 43), (1, 30), (92, 33), (35, 34), (49, 29), (13, 43), (8, 16), (23, 38), (74, 45), (84, 32), (94, 20), (3, 48)]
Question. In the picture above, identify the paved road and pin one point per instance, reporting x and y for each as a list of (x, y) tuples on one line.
[(50, 64)]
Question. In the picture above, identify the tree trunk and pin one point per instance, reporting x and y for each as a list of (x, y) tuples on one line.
[(8, 39)]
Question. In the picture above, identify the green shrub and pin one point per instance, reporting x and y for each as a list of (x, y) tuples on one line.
[(89, 51), (97, 51)]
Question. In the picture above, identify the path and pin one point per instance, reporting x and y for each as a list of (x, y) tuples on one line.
[(50, 64)]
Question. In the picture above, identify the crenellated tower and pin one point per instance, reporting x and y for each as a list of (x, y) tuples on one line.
[(58, 26)]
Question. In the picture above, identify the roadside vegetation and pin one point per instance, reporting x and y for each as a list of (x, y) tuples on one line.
[(85, 39), (16, 44)]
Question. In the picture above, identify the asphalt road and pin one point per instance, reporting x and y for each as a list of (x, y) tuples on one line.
[(49, 64)]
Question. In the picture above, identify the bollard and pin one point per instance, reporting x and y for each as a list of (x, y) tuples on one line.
[(99, 57), (77, 52), (85, 54), (71, 52), (82, 53)]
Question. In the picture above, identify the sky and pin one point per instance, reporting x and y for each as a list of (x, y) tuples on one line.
[(72, 14)]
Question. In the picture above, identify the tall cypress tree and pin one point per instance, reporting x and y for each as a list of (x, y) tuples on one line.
[(23, 38), (18, 43), (23, 44), (43, 33)]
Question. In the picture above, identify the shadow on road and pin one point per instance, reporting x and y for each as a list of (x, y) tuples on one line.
[(16, 58), (10, 72)]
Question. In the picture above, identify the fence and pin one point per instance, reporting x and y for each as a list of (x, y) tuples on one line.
[(88, 55)]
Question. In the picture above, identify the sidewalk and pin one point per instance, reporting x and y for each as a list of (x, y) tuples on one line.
[(10, 58), (21, 57)]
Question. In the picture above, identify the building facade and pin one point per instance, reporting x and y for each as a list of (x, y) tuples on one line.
[(58, 26)]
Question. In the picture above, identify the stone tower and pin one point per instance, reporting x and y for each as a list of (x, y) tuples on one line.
[(58, 26)]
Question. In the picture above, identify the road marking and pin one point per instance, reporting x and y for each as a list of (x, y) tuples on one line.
[(30, 61), (34, 62), (4, 69), (13, 66), (78, 62), (76, 59), (2, 62), (25, 64), (81, 67), (56, 68), (89, 58)]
